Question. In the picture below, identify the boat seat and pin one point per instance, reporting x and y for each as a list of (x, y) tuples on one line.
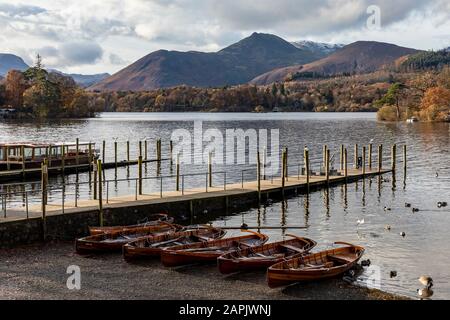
[(339, 258), (292, 248)]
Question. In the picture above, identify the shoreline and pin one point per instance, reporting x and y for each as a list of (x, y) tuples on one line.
[(39, 272)]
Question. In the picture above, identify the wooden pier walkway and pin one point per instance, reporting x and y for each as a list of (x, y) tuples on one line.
[(247, 189)]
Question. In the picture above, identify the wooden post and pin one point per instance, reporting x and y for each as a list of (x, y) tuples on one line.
[(44, 182), (128, 152), (307, 169), (342, 158), (63, 159), (95, 169), (140, 174), (115, 153), (178, 172), (283, 169), (171, 154), (23, 160), (140, 149), (49, 156), (104, 152), (258, 170), (8, 165), (90, 157), (327, 166), (210, 173), (394, 157), (364, 161), (324, 161), (286, 167), (370, 156), (356, 156), (264, 164), (346, 164), (380, 158), (405, 159), (158, 156), (146, 149), (100, 191), (77, 152)]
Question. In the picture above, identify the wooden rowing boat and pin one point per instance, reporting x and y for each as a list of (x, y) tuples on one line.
[(152, 220), (264, 256), (152, 246), (209, 251), (322, 265), (114, 241)]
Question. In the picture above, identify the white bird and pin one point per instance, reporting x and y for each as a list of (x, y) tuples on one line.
[(371, 141), (361, 222), (427, 281)]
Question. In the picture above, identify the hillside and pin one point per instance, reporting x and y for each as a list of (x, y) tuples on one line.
[(357, 58), (319, 48), (84, 80), (236, 64), (9, 62)]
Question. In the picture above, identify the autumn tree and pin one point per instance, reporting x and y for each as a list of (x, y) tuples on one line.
[(15, 86), (436, 104)]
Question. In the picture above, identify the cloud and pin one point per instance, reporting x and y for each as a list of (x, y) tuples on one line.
[(13, 10), (110, 33)]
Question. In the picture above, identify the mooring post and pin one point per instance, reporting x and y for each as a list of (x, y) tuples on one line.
[(307, 169), (44, 181), (100, 191), (178, 172), (77, 152), (380, 158), (210, 169), (146, 149), (346, 164), (342, 158), (171, 155), (327, 166), (324, 158), (158, 156), (128, 152), (95, 179), (364, 161), (140, 149), (286, 167), (22, 150), (104, 151), (264, 164), (370, 156), (283, 170), (394, 157), (140, 174), (405, 160), (63, 158), (258, 170), (356, 155)]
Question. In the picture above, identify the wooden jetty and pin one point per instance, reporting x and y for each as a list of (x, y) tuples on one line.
[(217, 197)]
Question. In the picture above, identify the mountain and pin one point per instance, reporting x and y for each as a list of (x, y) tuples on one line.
[(359, 57), (9, 62), (83, 80), (236, 64), (318, 48)]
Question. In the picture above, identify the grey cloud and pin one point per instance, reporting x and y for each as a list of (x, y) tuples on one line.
[(81, 52), (116, 60), (20, 10)]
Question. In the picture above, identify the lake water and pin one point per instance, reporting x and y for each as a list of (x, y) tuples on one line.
[(330, 216)]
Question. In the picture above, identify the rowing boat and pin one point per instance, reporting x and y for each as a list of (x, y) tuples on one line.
[(264, 256), (114, 241), (152, 220), (152, 246), (322, 265), (208, 252)]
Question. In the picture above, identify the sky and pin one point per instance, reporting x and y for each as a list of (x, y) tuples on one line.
[(95, 36)]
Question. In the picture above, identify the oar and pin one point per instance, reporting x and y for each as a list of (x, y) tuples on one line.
[(264, 228), (165, 242)]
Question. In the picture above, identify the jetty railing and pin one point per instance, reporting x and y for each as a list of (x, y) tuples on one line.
[(30, 195)]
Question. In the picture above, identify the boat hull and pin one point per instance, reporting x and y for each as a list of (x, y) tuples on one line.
[(298, 270), (233, 262)]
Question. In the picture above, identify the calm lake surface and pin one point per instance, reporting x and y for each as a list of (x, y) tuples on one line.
[(330, 216)]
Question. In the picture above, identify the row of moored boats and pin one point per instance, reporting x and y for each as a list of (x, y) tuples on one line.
[(287, 262)]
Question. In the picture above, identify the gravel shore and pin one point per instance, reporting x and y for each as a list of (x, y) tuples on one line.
[(39, 272)]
